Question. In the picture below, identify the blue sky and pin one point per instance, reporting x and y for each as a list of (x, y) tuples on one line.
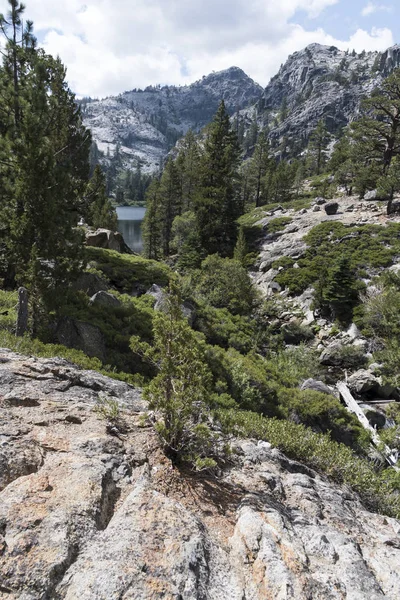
[(345, 17), (110, 46)]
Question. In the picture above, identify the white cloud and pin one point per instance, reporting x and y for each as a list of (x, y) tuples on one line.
[(115, 45), (372, 7)]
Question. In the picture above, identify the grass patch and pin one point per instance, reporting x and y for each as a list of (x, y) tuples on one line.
[(378, 490), (34, 347)]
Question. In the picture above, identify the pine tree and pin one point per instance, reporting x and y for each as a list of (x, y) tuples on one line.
[(340, 294), (170, 197), (217, 204), (101, 212), (180, 391), (152, 224), (241, 252), (44, 165), (187, 164), (317, 147), (261, 163), (376, 134)]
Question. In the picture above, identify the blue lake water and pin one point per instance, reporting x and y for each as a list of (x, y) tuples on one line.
[(130, 225)]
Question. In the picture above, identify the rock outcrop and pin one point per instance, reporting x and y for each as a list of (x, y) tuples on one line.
[(321, 82), (93, 510), (145, 124)]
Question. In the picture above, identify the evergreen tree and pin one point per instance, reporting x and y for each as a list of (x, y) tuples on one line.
[(376, 134), (152, 223), (261, 163), (241, 252), (187, 164), (340, 295), (317, 148), (217, 205), (180, 391), (44, 166), (170, 197), (101, 212)]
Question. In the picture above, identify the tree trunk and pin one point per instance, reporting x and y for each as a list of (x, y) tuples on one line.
[(22, 315)]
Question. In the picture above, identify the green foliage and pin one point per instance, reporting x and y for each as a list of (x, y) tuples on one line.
[(316, 157), (8, 313), (34, 347), (224, 283), (123, 271), (278, 224), (222, 328), (323, 413), (365, 247), (338, 294), (108, 408), (180, 391), (376, 135), (44, 164), (100, 212), (379, 491), (152, 225)]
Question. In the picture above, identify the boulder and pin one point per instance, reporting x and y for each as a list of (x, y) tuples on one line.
[(331, 208), (158, 293), (320, 201), (371, 195), (317, 386), (82, 336), (364, 382), (105, 299), (393, 208), (107, 239), (316, 208)]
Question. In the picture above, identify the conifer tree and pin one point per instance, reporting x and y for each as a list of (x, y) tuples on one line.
[(187, 164), (376, 134), (170, 197), (317, 147), (100, 212), (44, 165), (261, 162), (217, 204), (180, 391), (152, 224)]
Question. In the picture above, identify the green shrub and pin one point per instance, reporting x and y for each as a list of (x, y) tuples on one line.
[(34, 347), (8, 312), (123, 271), (278, 224), (365, 247), (224, 283), (379, 491), (323, 413)]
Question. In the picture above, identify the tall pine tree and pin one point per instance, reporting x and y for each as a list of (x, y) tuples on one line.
[(217, 204), (44, 164)]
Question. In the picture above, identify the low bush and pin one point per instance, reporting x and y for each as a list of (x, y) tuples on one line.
[(123, 271), (379, 491)]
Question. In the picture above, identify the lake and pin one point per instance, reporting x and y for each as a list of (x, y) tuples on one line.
[(130, 225)]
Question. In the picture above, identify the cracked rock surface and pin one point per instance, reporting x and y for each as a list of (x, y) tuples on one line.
[(91, 512)]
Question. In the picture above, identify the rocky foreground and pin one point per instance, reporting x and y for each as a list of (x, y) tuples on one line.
[(93, 510)]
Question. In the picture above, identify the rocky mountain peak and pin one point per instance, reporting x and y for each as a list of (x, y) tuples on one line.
[(145, 124)]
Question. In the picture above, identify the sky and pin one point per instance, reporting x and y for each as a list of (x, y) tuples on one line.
[(110, 46)]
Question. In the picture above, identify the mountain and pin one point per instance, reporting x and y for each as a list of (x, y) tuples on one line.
[(320, 82), (145, 124)]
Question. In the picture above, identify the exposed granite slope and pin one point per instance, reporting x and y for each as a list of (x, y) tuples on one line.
[(96, 513)]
